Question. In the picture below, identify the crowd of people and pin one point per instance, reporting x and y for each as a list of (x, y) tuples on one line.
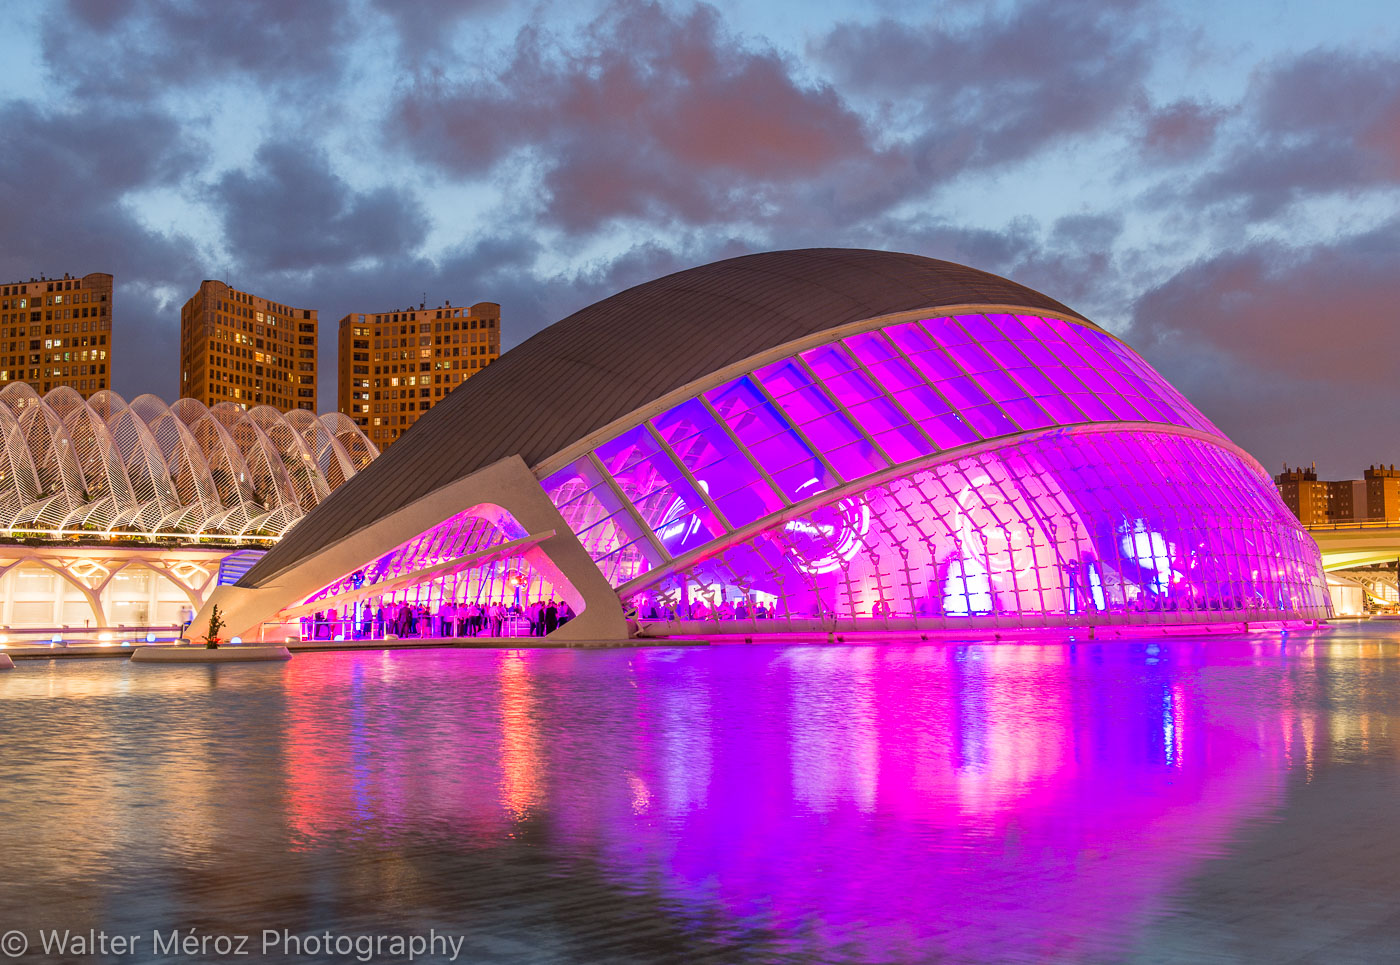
[(445, 621), (698, 610)]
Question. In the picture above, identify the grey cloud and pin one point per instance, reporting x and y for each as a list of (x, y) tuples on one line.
[(140, 48), (1281, 344), (1180, 131), (1325, 122), (292, 212), (426, 27), (63, 191), (651, 114), (998, 89), (63, 186)]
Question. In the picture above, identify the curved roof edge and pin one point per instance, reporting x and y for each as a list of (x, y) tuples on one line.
[(619, 354)]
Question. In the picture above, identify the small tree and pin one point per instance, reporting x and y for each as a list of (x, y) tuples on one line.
[(216, 623)]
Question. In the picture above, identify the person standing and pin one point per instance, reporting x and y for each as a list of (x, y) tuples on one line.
[(551, 618)]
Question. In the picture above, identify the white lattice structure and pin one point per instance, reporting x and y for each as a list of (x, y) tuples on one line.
[(106, 467)]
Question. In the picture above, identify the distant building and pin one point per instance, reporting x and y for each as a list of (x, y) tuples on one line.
[(1303, 494), (243, 348), (394, 366), (57, 331), (1383, 493), (1319, 502)]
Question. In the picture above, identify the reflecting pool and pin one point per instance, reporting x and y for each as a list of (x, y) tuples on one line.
[(1178, 800)]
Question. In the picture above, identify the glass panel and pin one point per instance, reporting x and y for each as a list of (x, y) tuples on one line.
[(922, 403), (752, 502), (1011, 328), (736, 398), (972, 358), (935, 366), (804, 481), (962, 392), (877, 415), (989, 421), (1027, 414), (781, 451), (851, 387), (1035, 382), (835, 430), (945, 331), (806, 404), (1062, 409), (896, 374), (950, 431), (683, 420), (872, 348), (828, 360), (978, 327), (783, 377), (856, 460), (904, 444), (1007, 355), (1000, 386), (910, 338)]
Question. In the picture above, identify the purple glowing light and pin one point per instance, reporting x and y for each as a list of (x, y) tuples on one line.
[(1042, 532), (1096, 525)]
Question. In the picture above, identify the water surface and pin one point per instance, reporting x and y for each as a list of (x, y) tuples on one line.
[(1226, 800)]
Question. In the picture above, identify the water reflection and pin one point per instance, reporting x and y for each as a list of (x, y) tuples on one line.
[(729, 804)]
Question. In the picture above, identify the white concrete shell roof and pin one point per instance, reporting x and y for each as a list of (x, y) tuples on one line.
[(621, 354)]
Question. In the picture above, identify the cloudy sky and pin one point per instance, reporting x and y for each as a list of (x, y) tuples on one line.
[(1217, 182)]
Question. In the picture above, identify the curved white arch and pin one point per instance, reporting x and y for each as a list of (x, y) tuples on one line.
[(103, 465)]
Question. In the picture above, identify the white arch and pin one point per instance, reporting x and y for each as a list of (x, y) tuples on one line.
[(105, 465)]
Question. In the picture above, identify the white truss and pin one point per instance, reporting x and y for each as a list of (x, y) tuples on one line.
[(105, 466)]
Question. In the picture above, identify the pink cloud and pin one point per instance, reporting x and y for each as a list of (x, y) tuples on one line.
[(653, 113)]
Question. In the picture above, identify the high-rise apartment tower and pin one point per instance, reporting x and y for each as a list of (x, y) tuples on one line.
[(57, 331), (394, 366), (243, 348)]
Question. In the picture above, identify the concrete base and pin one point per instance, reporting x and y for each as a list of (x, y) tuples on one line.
[(231, 654), (1385, 616), (6, 663)]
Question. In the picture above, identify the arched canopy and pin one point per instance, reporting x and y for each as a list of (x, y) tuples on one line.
[(69, 465), (879, 438), (622, 353)]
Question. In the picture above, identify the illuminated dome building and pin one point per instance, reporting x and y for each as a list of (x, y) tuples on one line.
[(823, 441), (120, 514)]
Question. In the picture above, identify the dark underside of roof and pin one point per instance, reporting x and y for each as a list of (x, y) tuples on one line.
[(630, 349)]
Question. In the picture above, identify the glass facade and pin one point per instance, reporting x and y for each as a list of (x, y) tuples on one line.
[(362, 604), (1118, 525), (792, 430), (459, 536), (959, 471), (1091, 526)]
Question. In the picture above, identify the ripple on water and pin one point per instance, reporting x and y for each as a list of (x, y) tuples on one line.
[(732, 804)]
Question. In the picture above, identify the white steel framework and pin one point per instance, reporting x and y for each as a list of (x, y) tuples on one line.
[(105, 467)]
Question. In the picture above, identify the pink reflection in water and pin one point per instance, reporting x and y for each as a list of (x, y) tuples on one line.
[(870, 803)]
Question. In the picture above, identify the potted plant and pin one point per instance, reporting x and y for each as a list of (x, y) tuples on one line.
[(216, 623)]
